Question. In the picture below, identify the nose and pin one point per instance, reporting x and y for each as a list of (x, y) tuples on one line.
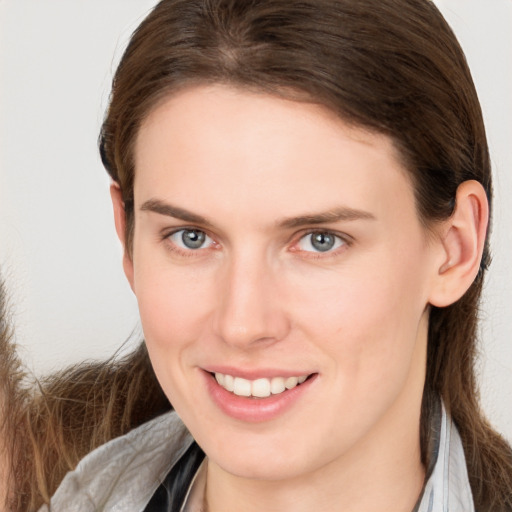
[(251, 310)]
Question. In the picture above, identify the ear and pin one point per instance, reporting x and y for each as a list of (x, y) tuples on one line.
[(120, 222), (462, 239)]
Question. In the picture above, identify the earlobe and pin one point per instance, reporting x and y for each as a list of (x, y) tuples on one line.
[(120, 223), (462, 239)]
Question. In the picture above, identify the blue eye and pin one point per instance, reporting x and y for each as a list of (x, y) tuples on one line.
[(320, 241), (192, 239)]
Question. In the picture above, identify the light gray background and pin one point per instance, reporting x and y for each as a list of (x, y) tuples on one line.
[(58, 249)]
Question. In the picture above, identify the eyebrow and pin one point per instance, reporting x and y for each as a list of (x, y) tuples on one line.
[(157, 206), (333, 215)]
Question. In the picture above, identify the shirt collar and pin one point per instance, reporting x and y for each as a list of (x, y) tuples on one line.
[(447, 488)]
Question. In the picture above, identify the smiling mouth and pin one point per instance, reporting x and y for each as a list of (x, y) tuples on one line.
[(259, 388)]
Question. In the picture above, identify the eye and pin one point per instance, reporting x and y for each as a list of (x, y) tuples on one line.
[(191, 239), (320, 241)]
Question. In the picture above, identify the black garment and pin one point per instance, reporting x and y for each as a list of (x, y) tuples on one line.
[(170, 495)]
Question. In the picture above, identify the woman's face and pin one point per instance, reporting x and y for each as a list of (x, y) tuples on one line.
[(274, 243)]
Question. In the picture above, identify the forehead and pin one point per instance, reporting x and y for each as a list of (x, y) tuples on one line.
[(243, 148)]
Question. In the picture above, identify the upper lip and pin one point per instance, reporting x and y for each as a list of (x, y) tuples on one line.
[(255, 373)]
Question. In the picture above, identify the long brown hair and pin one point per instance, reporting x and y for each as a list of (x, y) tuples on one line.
[(10, 392), (392, 66), (47, 426)]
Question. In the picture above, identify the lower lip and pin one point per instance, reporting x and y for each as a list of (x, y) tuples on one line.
[(255, 410)]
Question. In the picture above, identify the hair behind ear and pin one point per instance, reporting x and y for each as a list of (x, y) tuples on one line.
[(488, 455), (125, 235)]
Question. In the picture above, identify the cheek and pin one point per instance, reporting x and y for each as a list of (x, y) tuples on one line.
[(172, 305), (366, 316), (173, 309)]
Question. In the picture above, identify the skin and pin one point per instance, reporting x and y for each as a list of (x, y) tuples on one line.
[(258, 296)]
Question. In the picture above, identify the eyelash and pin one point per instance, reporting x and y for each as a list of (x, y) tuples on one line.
[(188, 252), (343, 240)]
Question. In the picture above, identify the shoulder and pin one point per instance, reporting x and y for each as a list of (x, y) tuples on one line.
[(123, 474)]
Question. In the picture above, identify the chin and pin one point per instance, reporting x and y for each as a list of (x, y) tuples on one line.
[(258, 458), (267, 469)]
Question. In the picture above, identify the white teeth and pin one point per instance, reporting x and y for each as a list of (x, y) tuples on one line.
[(277, 385), (291, 382), (260, 388), (229, 383), (242, 387)]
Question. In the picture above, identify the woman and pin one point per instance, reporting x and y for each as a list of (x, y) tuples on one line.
[(302, 193)]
